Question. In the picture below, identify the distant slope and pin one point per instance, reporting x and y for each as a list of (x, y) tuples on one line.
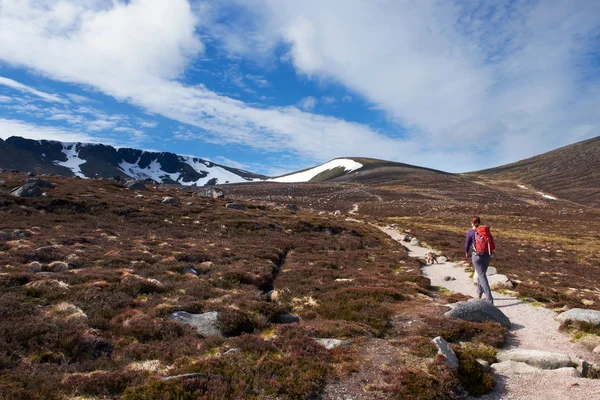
[(332, 169), (571, 172), (97, 160)]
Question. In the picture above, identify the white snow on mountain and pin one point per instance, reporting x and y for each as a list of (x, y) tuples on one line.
[(305, 176), (73, 161)]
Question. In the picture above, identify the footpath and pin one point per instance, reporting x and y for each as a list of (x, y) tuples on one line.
[(534, 330)]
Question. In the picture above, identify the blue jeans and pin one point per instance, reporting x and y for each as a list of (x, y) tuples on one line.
[(481, 264)]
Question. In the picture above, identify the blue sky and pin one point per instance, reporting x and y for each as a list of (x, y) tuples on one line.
[(273, 86)]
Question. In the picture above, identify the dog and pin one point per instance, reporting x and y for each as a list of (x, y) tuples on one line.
[(431, 258)]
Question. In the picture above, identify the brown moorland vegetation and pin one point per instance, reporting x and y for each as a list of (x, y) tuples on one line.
[(92, 270)]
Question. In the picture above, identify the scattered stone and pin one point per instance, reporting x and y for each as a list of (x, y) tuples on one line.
[(288, 319), (449, 278), (34, 267), (442, 259), (293, 208), (580, 314), (189, 270), (233, 351), (477, 310), (4, 237), (415, 242), (536, 358), (140, 196), (58, 266), (332, 343), (189, 203), (444, 349), (2, 183), (235, 206), (271, 295), (20, 233), (206, 324), (31, 174), (43, 183), (27, 190), (214, 193), (514, 367), (597, 350), (499, 281), (185, 376), (48, 284), (169, 200), (135, 185), (337, 212)]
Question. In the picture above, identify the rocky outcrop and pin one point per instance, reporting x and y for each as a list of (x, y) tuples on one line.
[(477, 311)]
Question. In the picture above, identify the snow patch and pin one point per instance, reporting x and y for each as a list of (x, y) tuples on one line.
[(73, 161), (305, 176)]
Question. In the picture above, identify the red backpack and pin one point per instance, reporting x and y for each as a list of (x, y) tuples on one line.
[(484, 241)]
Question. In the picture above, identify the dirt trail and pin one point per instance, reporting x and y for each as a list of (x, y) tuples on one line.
[(532, 328)]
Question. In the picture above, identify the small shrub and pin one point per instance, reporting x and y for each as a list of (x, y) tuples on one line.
[(234, 323), (102, 383), (437, 383), (472, 376), (368, 312)]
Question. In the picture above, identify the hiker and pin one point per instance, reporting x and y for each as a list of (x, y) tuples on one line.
[(480, 244)]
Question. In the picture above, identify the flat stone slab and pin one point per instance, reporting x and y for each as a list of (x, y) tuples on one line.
[(581, 314), (537, 358), (206, 324), (476, 310), (444, 349), (499, 281), (514, 367), (332, 343)]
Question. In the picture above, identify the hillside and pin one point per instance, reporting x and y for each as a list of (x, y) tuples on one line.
[(102, 161), (571, 172)]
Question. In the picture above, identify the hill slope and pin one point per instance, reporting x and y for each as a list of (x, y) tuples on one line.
[(571, 172), (98, 160)]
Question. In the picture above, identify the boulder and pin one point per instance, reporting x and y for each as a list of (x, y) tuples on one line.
[(415, 242), (499, 281), (27, 190), (490, 272), (580, 314), (206, 324), (449, 278), (213, 193), (566, 371), (34, 267), (288, 319), (444, 349), (58, 266), (4, 237), (189, 270), (43, 183), (337, 212), (537, 358), (169, 200), (332, 343), (235, 206), (597, 350), (477, 310), (514, 367), (135, 185)]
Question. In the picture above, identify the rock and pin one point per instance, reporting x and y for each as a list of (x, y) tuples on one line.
[(514, 367), (337, 212), (4, 237), (332, 343), (415, 242), (58, 266), (185, 376), (293, 207), (169, 200), (135, 185), (499, 281), (189, 270), (597, 349), (233, 351), (206, 324), (27, 190), (477, 310), (442, 259), (189, 203), (34, 267), (287, 319), (140, 196), (484, 364), (206, 264), (580, 314), (214, 193), (48, 284), (31, 174), (536, 358), (19, 233), (2, 183), (235, 206), (445, 350), (449, 278), (271, 295), (43, 183), (566, 371), (490, 272)]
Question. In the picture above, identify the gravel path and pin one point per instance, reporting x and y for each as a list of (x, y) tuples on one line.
[(533, 328)]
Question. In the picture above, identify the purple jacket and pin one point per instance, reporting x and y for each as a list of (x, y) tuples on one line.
[(470, 242)]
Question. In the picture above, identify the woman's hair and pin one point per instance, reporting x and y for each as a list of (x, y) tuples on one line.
[(475, 220)]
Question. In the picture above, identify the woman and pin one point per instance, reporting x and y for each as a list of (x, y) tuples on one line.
[(481, 260)]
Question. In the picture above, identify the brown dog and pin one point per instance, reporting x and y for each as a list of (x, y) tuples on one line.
[(431, 258)]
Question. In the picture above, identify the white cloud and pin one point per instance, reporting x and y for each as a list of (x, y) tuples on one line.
[(307, 103), (328, 100), (24, 88), (78, 98), (24, 129), (5, 99)]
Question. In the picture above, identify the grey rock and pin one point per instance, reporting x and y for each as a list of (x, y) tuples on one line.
[(597, 349), (477, 311), (536, 358), (293, 207), (490, 272), (484, 364), (169, 200), (34, 267), (499, 281), (449, 278), (4, 237), (566, 371), (288, 319), (189, 270), (415, 242), (189, 203), (58, 266), (43, 183), (442, 259), (235, 206), (213, 193), (27, 190), (444, 349), (135, 185), (31, 174), (206, 324), (580, 314), (233, 351), (406, 238), (185, 376), (332, 343), (514, 367), (20, 233), (2, 183), (140, 196)]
